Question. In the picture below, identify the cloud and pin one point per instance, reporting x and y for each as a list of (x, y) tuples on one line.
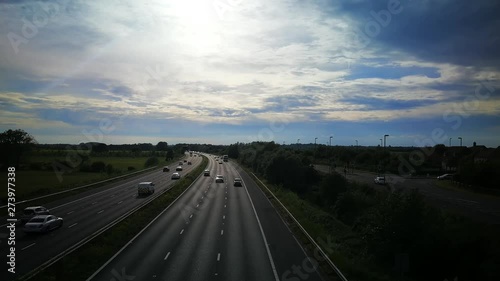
[(182, 65)]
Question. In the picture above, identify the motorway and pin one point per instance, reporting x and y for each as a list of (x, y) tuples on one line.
[(214, 231), (479, 207), (83, 215)]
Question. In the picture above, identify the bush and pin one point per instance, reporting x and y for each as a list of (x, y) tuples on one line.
[(152, 161), (110, 170), (98, 167), (330, 187)]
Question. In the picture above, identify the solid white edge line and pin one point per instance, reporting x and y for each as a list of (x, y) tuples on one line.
[(166, 257), (262, 232), (72, 225), (32, 244), (218, 257)]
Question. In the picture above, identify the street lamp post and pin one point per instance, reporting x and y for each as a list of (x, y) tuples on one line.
[(380, 142), (450, 142), (331, 141), (315, 141), (298, 141), (356, 142), (460, 138), (385, 136)]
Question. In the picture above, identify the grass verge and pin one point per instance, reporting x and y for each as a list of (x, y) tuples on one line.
[(84, 261)]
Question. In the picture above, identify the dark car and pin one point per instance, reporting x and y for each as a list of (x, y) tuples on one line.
[(166, 169), (237, 182)]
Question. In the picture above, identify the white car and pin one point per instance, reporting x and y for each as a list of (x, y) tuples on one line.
[(219, 179), (379, 180), (176, 176), (445, 177), (145, 188), (42, 223), (206, 173), (179, 168)]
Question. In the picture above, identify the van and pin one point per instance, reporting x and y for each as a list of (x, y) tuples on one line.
[(145, 188)]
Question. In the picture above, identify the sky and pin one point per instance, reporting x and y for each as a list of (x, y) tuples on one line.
[(225, 71)]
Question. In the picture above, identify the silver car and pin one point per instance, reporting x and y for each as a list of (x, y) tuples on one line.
[(31, 212), (42, 224)]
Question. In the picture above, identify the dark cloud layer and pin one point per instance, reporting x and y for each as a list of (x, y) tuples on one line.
[(460, 31)]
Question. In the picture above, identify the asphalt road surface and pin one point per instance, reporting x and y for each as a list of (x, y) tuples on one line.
[(83, 215), (214, 231), (480, 207)]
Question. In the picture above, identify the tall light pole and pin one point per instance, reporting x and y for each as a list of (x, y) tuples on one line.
[(331, 141), (298, 141), (315, 141), (460, 138), (450, 142), (380, 142), (385, 136), (356, 142)]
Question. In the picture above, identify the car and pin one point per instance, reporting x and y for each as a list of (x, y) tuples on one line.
[(166, 169), (181, 163), (220, 162), (237, 182), (42, 224), (176, 176), (219, 179), (30, 212), (179, 168), (445, 177), (379, 180), (185, 160), (189, 162), (145, 188), (206, 173)]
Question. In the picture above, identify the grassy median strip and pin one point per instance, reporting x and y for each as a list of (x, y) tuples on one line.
[(84, 261)]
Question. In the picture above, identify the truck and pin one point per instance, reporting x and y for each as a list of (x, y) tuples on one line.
[(225, 158), (145, 188)]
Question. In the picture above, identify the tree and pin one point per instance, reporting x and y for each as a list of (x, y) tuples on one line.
[(15, 144), (170, 154), (162, 146), (233, 151)]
